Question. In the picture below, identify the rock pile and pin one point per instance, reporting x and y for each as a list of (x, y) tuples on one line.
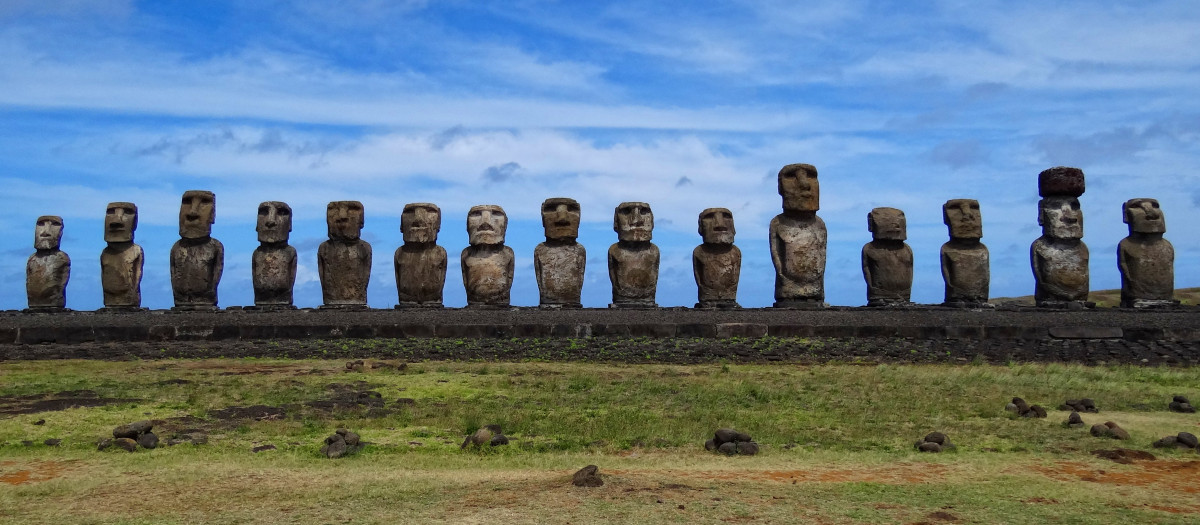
[(342, 443), (1110, 430), (1023, 409), (1074, 421), (588, 476), (729, 442), (488, 435), (1181, 404), (1184, 440), (934, 442), (130, 437), (1080, 405)]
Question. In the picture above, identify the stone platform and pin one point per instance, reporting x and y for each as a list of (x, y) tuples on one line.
[(1098, 335)]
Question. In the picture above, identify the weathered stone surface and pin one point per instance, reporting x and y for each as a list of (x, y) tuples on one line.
[(125, 444), (1187, 438), (148, 440), (121, 261), (352, 439), (420, 263), (487, 264), (1183, 408), (728, 449), (725, 435), (344, 261), (197, 259), (966, 263), (588, 476), (633, 259), (798, 240), (1145, 258), (478, 438), (1085, 332), (1166, 442), (273, 263), (1180, 399), (132, 430), (936, 437), (929, 446), (1061, 181), (747, 448), (716, 263), (1059, 258), (335, 447), (559, 262), (1074, 420), (49, 268), (887, 261), (710, 445), (1101, 430)]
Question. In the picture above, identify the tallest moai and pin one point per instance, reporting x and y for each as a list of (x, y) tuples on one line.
[(1059, 257), (798, 240)]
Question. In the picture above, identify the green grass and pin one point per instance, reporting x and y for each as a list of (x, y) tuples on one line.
[(842, 433)]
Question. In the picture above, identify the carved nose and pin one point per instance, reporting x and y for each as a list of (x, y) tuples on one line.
[(486, 227), (271, 224)]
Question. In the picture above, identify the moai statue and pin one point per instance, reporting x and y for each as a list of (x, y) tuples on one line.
[(274, 261), (1146, 259), (717, 263), (49, 268), (1059, 257), (420, 262), (633, 259), (197, 259), (798, 240), (558, 263), (121, 261), (487, 264), (965, 262), (344, 261), (887, 261)]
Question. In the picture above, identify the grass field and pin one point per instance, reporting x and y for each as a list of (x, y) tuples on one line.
[(837, 443)]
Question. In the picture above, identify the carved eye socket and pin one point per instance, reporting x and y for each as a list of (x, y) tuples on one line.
[(497, 213), (789, 175), (974, 205), (573, 208), (475, 213), (283, 212), (811, 175), (354, 207), (549, 208), (708, 216), (644, 211), (263, 210), (110, 211), (1154, 205), (206, 200), (1075, 205)]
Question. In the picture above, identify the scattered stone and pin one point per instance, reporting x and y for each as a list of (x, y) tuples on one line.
[(1074, 421), (40, 422), (148, 440), (262, 448), (356, 366), (929, 446), (335, 447), (1024, 409), (351, 439), (1100, 430), (1115, 431), (498, 439), (1011, 407), (1124, 456), (52, 442), (132, 430), (588, 476), (1168, 442), (487, 435), (1080, 405), (104, 443), (729, 441), (1182, 405), (1188, 439), (935, 442), (192, 437), (125, 443)]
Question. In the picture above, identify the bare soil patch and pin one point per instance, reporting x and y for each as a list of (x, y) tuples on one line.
[(1163, 475), (34, 403), (13, 473)]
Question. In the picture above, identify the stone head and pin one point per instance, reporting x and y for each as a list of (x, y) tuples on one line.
[(1144, 216), (962, 216), (887, 224), (633, 221), (120, 221), (47, 234), (197, 213), (1060, 217), (420, 222), (716, 226), (799, 188), (486, 224), (560, 219), (345, 220), (274, 222)]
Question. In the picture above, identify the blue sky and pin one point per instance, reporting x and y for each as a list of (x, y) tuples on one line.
[(685, 105)]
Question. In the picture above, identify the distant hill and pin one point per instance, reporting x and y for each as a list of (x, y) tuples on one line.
[(1104, 298)]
